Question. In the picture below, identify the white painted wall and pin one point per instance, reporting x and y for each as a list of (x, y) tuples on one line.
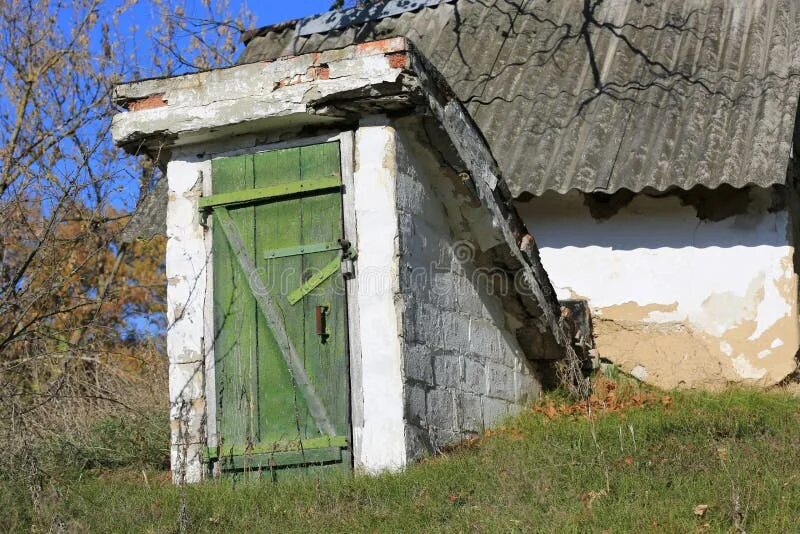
[(677, 301), (380, 443), (187, 273)]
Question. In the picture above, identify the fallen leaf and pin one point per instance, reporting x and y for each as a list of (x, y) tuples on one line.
[(456, 500), (589, 497), (700, 510), (629, 460)]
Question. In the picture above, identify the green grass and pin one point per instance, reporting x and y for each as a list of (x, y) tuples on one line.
[(646, 471)]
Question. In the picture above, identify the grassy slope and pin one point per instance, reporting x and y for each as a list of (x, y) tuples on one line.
[(543, 471)]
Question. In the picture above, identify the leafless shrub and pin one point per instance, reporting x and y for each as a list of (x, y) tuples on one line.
[(78, 305)]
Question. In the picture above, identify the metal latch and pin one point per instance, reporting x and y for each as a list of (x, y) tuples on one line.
[(345, 264), (322, 326), (348, 267)]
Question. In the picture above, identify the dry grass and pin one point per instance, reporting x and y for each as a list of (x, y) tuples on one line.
[(81, 425)]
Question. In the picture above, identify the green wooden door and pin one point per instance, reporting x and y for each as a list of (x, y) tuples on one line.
[(279, 312)]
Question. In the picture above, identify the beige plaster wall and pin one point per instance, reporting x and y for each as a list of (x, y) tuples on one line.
[(678, 301)]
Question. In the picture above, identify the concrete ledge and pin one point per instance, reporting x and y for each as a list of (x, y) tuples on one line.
[(315, 88)]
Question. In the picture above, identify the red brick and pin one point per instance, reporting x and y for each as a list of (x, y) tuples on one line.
[(322, 72), (384, 46), (398, 60), (148, 102)]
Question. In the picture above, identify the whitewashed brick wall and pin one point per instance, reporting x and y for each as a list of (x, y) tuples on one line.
[(463, 369)]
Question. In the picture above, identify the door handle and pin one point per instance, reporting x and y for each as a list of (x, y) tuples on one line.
[(321, 313)]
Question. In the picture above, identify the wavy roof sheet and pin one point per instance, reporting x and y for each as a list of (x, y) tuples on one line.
[(693, 92)]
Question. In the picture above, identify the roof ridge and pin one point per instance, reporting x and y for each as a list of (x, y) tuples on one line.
[(342, 18)]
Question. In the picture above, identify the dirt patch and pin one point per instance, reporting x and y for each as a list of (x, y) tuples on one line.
[(674, 355)]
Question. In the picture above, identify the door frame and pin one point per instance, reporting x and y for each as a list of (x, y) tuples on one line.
[(353, 338)]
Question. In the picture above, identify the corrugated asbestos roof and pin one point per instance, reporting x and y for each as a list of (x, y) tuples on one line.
[(698, 91)]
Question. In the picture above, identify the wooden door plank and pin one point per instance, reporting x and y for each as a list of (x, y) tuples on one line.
[(320, 276), (338, 363), (273, 192), (301, 249), (234, 321), (282, 459), (281, 409), (274, 320), (296, 445), (285, 414), (322, 221)]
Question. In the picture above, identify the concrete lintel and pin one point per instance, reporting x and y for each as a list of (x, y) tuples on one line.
[(311, 89)]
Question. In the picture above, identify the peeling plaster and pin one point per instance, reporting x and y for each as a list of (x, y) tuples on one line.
[(639, 372), (746, 369), (186, 266), (298, 88), (684, 302)]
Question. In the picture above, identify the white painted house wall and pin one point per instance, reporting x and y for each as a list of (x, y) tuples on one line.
[(678, 301)]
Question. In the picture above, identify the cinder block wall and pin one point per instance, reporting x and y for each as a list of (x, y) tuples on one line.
[(463, 368)]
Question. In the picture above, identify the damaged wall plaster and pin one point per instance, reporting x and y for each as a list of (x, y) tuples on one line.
[(678, 301), (186, 264), (273, 95)]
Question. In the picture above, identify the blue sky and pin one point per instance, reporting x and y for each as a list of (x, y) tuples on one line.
[(136, 22), (266, 12), (272, 11)]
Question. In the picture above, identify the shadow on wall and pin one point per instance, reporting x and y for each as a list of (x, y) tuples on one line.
[(725, 217)]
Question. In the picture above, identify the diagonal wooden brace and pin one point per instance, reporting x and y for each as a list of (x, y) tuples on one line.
[(312, 283), (273, 317)]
